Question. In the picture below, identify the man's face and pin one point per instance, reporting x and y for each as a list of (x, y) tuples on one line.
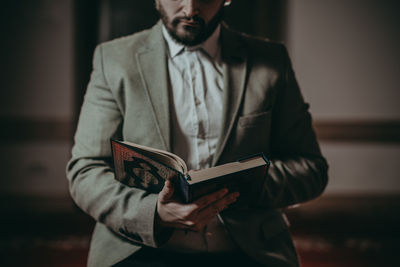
[(190, 22)]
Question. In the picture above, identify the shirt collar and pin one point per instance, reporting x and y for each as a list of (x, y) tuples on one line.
[(210, 46)]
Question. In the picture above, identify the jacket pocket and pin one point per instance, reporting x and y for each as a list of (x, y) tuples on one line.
[(254, 119)]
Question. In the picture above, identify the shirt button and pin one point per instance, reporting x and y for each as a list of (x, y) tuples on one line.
[(197, 101)]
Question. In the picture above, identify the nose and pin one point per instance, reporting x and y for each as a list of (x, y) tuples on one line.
[(190, 8)]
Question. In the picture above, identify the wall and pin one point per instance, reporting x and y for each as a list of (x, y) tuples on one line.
[(346, 56), (37, 91)]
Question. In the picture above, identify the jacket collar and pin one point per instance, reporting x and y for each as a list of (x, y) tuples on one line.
[(234, 58), (152, 66)]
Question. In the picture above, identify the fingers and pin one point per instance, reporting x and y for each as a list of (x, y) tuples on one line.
[(167, 192), (205, 215), (218, 206), (193, 216), (206, 200)]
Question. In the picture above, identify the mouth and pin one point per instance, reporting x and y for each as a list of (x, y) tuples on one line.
[(191, 23)]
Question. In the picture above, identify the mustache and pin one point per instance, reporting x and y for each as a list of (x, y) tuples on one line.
[(194, 19)]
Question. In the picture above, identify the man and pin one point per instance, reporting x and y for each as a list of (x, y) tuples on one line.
[(192, 86)]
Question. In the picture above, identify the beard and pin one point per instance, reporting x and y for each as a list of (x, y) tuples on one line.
[(194, 31)]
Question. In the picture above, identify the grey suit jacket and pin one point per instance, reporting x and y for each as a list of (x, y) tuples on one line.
[(127, 98)]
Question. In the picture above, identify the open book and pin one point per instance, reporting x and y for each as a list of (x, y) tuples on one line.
[(148, 168)]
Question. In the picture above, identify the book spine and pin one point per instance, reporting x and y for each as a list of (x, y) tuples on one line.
[(184, 188)]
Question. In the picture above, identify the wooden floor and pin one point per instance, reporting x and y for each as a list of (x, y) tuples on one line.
[(72, 251), (336, 232)]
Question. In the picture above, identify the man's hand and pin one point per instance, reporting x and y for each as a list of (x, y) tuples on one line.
[(192, 216)]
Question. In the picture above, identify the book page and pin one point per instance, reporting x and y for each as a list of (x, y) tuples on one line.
[(221, 170), (168, 158)]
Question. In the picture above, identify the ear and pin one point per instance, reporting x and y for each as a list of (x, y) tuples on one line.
[(227, 2)]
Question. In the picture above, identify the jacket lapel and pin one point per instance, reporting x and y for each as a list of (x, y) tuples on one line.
[(152, 64), (235, 74)]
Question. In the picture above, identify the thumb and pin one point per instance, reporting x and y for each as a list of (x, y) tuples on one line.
[(167, 192)]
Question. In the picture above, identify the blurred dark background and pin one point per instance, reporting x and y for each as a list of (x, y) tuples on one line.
[(346, 57)]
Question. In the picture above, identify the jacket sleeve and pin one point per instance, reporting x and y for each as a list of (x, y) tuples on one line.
[(298, 171), (127, 211)]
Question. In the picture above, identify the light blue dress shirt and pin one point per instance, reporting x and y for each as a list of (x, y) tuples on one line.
[(197, 84)]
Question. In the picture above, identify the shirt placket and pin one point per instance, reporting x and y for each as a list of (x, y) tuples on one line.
[(201, 111)]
